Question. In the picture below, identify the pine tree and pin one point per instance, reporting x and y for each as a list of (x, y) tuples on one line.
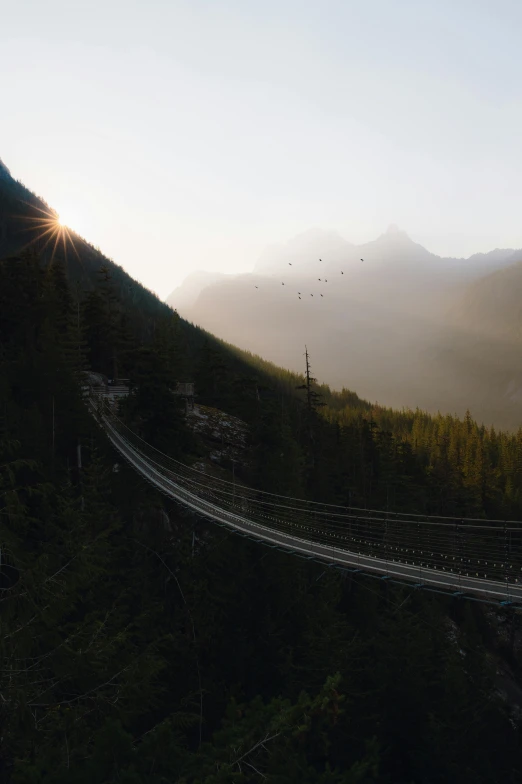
[(311, 422)]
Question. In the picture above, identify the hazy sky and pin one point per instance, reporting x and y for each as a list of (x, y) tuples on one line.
[(183, 135)]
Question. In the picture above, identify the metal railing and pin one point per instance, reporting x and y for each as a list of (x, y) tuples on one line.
[(476, 557)]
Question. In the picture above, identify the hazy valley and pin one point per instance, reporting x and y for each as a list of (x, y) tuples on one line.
[(404, 327)]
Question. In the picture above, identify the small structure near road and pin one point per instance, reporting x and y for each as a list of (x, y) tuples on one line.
[(118, 387), (185, 389), (110, 389)]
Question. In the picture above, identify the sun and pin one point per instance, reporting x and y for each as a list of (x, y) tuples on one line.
[(66, 219), (51, 228)]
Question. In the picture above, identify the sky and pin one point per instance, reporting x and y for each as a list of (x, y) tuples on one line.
[(190, 135)]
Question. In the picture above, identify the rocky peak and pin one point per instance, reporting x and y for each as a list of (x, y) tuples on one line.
[(394, 234)]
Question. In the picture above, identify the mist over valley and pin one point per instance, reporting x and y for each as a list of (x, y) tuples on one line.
[(403, 327)]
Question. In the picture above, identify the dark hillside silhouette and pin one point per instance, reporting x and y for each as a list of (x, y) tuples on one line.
[(141, 644)]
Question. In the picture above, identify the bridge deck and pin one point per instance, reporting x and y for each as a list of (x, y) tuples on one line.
[(335, 552)]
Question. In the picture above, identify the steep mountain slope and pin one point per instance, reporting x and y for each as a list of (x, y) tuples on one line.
[(491, 305), (140, 644), (379, 334), (28, 223), (5, 174), (24, 223), (483, 339)]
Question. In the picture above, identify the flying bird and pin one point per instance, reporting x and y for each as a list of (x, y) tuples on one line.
[(282, 284), (289, 263), (257, 287), (318, 278), (321, 295), (362, 259), (299, 297), (311, 295), (320, 259), (325, 280), (342, 273)]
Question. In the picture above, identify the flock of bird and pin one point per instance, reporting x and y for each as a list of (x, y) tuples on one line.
[(319, 279)]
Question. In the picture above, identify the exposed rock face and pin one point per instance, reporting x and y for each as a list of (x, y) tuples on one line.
[(224, 435)]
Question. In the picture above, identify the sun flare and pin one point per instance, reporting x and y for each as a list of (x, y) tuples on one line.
[(65, 218), (50, 229)]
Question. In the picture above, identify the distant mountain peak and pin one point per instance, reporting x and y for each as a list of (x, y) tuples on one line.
[(304, 251), (393, 232), (394, 236), (5, 174)]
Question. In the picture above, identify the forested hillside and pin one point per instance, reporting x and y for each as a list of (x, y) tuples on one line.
[(491, 306), (139, 644)]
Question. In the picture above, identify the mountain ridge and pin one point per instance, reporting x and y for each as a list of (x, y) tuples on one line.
[(385, 326), (491, 304), (396, 242)]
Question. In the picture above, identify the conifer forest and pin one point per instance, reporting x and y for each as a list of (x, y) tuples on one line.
[(140, 644)]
